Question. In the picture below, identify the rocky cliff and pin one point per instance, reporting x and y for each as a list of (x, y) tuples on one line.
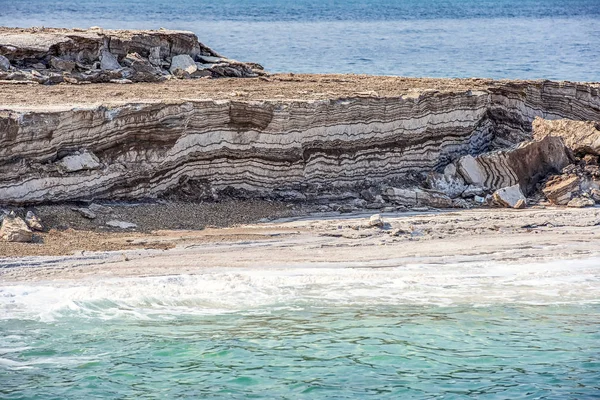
[(52, 56), (290, 149)]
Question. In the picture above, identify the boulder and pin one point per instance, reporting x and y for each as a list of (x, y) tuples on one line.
[(139, 64), (525, 165), (4, 63), (376, 220), (33, 221), (108, 62), (14, 229), (582, 137), (62, 65), (80, 161), (85, 212), (184, 63), (417, 197), (561, 189), (472, 191), (471, 171), (510, 196), (580, 202)]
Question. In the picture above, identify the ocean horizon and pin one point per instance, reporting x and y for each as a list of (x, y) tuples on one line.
[(501, 39)]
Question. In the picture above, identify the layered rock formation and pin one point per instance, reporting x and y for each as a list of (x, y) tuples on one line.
[(52, 56), (290, 149)]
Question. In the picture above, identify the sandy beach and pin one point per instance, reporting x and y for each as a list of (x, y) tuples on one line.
[(325, 239)]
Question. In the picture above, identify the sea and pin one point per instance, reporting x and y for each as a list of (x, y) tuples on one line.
[(473, 329), (485, 330), (514, 39)]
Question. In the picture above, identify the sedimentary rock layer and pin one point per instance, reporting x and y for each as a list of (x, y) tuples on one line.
[(265, 148)]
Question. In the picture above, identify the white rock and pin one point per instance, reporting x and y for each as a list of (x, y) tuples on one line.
[(121, 224), (33, 221), (108, 62), (78, 162), (183, 62), (14, 229), (210, 59), (509, 196), (4, 63), (376, 220), (471, 171), (449, 183)]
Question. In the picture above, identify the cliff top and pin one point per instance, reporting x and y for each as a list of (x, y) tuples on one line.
[(280, 86)]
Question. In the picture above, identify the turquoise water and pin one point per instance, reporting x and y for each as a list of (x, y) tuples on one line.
[(477, 329), (527, 39), (499, 352)]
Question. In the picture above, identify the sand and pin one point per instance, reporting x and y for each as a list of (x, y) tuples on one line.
[(328, 239)]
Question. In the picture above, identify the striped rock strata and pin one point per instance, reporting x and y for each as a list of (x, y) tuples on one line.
[(264, 148)]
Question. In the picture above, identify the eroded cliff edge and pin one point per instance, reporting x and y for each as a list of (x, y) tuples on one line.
[(197, 146)]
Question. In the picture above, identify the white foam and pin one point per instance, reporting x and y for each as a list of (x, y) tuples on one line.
[(222, 290)]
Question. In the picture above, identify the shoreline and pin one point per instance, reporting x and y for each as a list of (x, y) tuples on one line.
[(330, 239)]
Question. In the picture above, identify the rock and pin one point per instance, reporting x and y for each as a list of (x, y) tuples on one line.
[(595, 193), (39, 66), (479, 199), (4, 63), (561, 189), (580, 202), (85, 212), (472, 191), (210, 59), (460, 203), (368, 195), (526, 165), (582, 137), (183, 62), (418, 196), (139, 64), (33, 221), (14, 229), (509, 196), (62, 65), (154, 57), (471, 171), (121, 224), (77, 162), (121, 81), (376, 220), (449, 183), (108, 62), (521, 204)]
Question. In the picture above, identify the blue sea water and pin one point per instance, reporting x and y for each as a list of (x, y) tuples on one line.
[(533, 39), (468, 330)]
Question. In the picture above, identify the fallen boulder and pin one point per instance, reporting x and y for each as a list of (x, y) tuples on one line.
[(33, 221), (510, 196), (14, 229), (525, 165), (121, 224), (582, 137), (581, 202), (376, 221), (184, 63), (560, 189), (4, 63)]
